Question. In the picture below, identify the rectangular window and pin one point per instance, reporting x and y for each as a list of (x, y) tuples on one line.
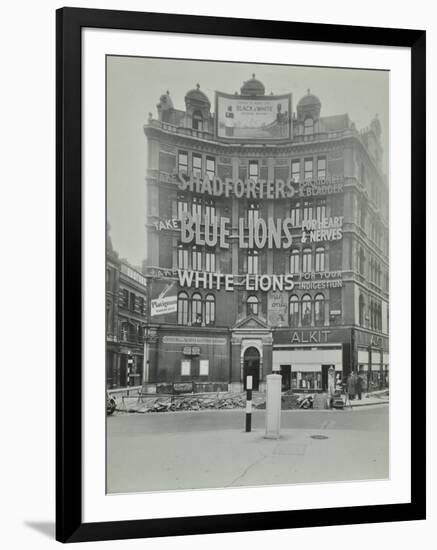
[(210, 167), (182, 208), (196, 259), (196, 208), (210, 261), (321, 168), (185, 367), (320, 259), (295, 170), (132, 301), (295, 214), (210, 211), (203, 367), (320, 209), (252, 262), (183, 162), (197, 165), (253, 213), (308, 170), (182, 258), (294, 262), (307, 210), (253, 170), (306, 261)]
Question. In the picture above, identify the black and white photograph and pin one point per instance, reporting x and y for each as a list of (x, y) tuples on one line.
[(247, 274)]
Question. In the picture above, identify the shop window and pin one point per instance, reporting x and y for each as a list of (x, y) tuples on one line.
[(308, 126), (196, 309), (182, 257), (210, 309), (182, 308), (196, 259), (185, 367), (252, 305), (321, 168), (210, 261), (252, 262), (210, 167), (320, 259), (308, 169), (307, 260), (294, 262), (253, 170), (295, 214), (307, 310), (294, 311), (319, 309), (183, 162), (197, 165), (295, 170), (197, 120)]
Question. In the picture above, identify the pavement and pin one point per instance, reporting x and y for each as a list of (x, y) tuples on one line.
[(207, 449)]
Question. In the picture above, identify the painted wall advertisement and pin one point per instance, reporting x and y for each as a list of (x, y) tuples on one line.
[(266, 118)]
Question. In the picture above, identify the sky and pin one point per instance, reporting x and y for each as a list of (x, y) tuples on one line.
[(134, 85)]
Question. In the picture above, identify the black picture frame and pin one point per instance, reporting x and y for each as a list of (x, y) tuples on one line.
[(69, 24)]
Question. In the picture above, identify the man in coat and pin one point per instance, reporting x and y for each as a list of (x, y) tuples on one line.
[(351, 385)]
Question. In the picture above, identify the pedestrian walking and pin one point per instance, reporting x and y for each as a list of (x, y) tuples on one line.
[(351, 383), (359, 386)]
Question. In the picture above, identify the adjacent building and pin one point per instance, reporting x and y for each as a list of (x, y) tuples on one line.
[(267, 246)]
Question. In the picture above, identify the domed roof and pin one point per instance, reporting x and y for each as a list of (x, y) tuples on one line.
[(253, 87), (196, 94), (309, 100)]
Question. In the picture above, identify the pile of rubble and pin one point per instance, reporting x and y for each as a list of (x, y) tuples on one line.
[(181, 403)]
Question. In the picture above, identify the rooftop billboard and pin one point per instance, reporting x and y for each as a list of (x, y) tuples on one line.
[(266, 118)]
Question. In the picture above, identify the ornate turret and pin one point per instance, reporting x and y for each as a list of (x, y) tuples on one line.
[(309, 106), (253, 87)]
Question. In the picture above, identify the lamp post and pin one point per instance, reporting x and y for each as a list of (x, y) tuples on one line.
[(146, 356)]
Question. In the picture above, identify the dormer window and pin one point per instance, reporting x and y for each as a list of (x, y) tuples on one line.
[(308, 126), (197, 121)]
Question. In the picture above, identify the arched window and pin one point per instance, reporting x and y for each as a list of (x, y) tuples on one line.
[(210, 309), (182, 308), (308, 126), (307, 260), (294, 262), (197, 121), (196, 309), (307, 310), (320, 259), (361, 310), (252, 305), (294, 311), (319, 309)]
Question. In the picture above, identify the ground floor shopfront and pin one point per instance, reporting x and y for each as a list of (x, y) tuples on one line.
[(220, 359), (124, 365)]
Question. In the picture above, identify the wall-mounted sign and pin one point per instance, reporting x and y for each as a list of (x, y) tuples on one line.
[(277, 309), (166, 302), (260, 118), (194, 340)]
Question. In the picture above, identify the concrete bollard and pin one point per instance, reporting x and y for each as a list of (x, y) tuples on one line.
[(273, 406)]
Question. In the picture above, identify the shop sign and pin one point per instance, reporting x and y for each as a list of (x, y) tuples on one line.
[(310, 336), (194, 340), (165, 224)]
